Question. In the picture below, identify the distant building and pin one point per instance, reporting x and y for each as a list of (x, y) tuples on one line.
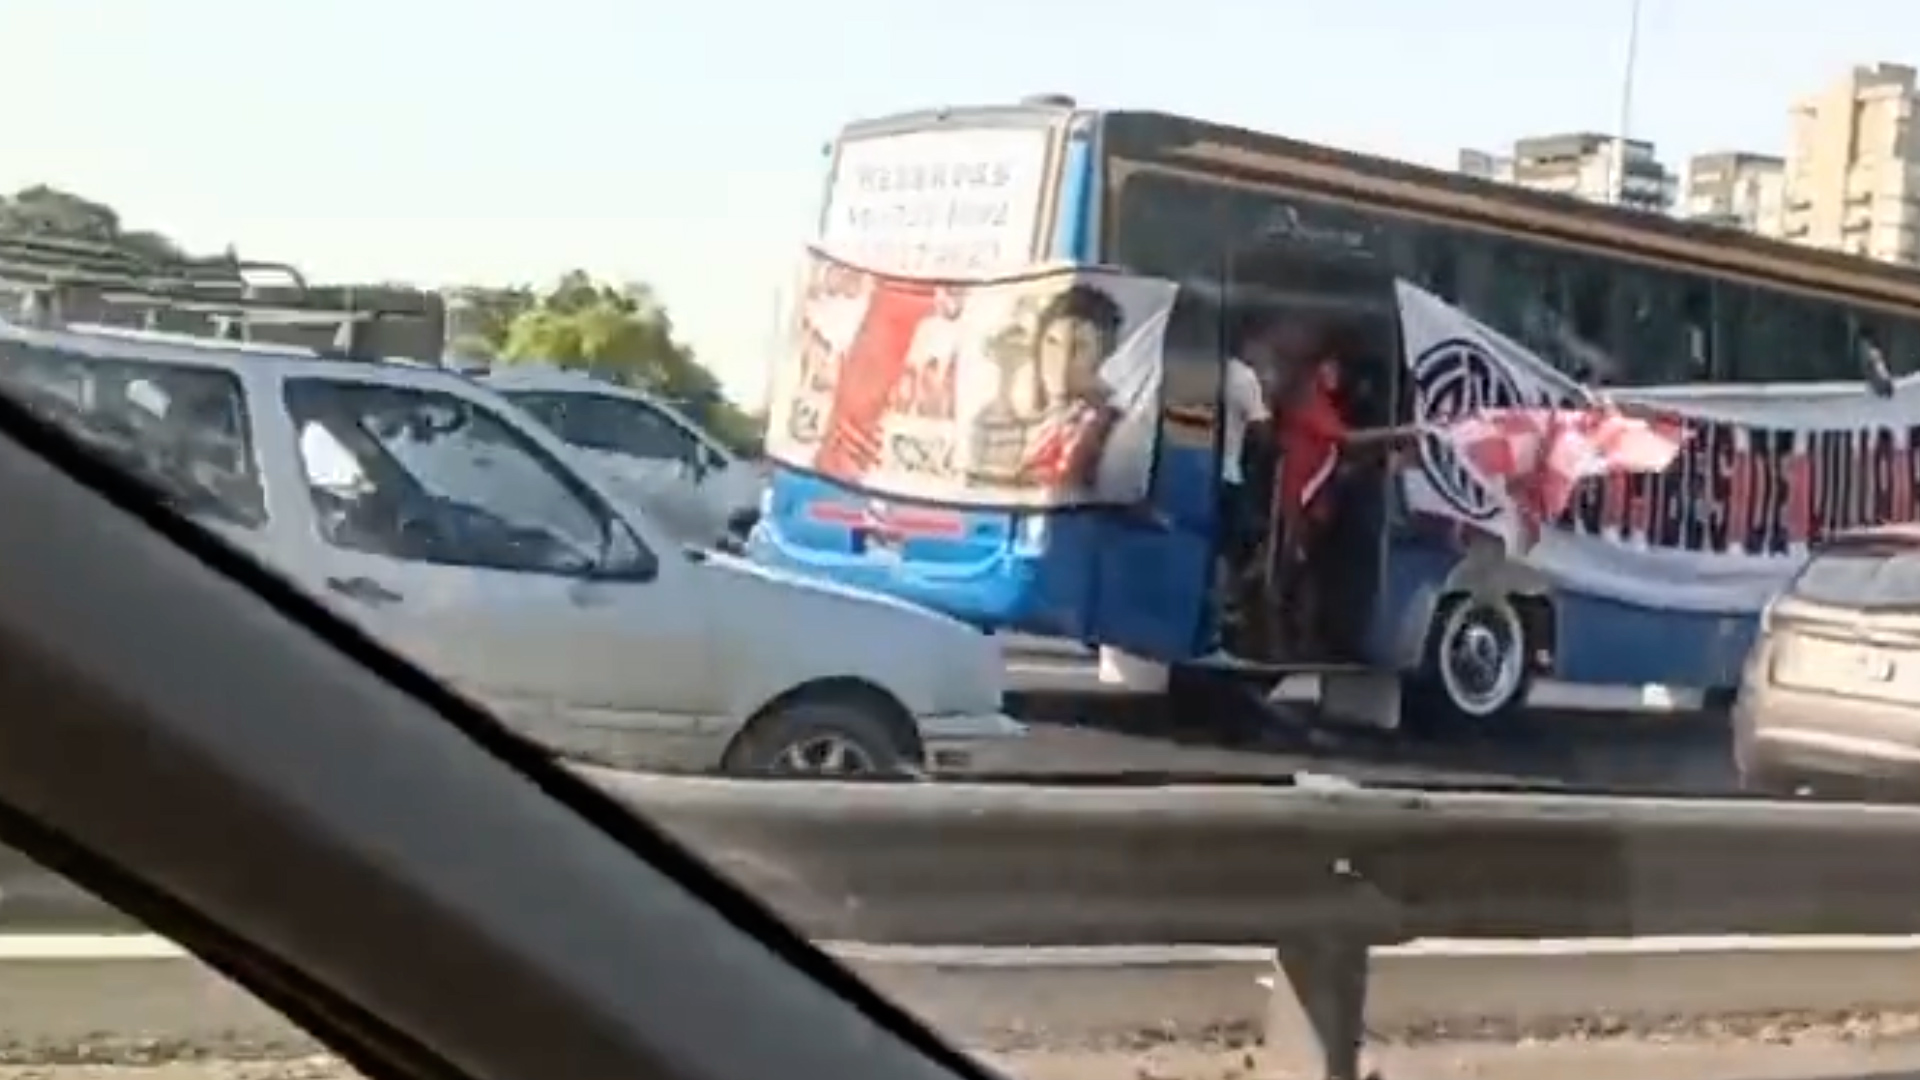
[(1737, 189), (1486, 166), (1583, 165), (1853, 167)]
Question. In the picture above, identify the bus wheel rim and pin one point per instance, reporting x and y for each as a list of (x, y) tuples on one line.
[(1481, 656)]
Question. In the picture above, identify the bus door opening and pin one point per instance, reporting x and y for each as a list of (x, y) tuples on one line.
[(1321, 336)]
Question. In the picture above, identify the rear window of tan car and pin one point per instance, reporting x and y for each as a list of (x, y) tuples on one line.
[(1866, 576)]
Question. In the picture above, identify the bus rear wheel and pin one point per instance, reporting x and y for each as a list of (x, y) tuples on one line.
[(1475, 675)]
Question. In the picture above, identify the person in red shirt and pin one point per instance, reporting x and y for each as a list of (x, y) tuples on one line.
[(1313, 438)]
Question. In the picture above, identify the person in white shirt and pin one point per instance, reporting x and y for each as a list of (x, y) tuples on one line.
[(1243, 404)]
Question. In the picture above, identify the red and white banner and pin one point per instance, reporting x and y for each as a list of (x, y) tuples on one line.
[(1539, 456), (973, 393), (1761, 470)]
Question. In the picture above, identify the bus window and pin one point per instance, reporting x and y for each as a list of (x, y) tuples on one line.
[(1830, 341), (1779, 337), (1182, 227), (1903, 346), (1898, 340), (1662, 327), (1512, 292), (1586, 291), (1579, 340), (1429, 256)]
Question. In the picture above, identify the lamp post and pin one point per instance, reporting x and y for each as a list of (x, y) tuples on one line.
[(1619, 178)]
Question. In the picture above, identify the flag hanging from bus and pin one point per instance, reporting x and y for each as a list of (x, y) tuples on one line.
[(1538, 457), (1762, 470), (1036, 390)]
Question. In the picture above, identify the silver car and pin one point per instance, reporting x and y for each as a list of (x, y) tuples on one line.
[(1830, 698)]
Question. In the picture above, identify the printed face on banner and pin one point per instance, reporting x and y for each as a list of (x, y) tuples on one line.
[(982, 393)]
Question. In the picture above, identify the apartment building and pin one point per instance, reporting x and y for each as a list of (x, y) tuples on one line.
[(1853, 167), (1737, 189), (1583, 165)]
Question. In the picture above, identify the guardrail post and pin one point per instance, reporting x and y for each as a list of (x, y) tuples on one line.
[(1317, 1011), (1316, 1014)]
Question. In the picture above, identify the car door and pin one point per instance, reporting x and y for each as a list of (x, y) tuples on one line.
[(449, 529)]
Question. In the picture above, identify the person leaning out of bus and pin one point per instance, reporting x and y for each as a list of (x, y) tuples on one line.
[(1313, 440)]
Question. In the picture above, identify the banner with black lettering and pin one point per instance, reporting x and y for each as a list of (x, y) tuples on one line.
[(974, 393), (1764, 470)]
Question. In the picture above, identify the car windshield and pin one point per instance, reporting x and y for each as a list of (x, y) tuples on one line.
[(1107, 449)]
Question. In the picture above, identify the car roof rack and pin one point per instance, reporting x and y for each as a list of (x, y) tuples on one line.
[(60, 281)]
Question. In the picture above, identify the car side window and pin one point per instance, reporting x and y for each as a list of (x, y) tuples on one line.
[(181, 429), (613, 425), (432, 477)]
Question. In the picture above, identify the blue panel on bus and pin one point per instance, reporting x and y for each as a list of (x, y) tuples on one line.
[(1600, 642), (1609, 643), (1073, 233), (978, 577)]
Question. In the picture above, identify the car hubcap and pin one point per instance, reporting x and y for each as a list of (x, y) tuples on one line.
[(825, 755)]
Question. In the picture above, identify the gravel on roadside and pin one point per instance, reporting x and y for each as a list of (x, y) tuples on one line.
[(1882, 1046)]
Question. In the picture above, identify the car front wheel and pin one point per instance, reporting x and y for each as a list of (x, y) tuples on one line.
[(820, 738)]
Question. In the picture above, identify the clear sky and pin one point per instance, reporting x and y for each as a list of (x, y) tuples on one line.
[(679, 143)]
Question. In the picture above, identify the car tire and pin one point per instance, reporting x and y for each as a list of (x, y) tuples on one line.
[(1475, 673), (821, 738)]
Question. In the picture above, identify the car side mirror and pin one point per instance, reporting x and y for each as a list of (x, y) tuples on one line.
[(707, 461), (625, 557)]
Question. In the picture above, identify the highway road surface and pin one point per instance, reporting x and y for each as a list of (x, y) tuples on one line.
[(1583, 749)]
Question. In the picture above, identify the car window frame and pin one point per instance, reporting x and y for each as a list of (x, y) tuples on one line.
[(705, 453), (650, 545), (146, 775), (256, 517), (570, 481)]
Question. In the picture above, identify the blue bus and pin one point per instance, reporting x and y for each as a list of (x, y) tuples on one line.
[(1758, 344)]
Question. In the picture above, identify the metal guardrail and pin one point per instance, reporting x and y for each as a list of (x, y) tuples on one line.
[(1321, 875), (990, 864)]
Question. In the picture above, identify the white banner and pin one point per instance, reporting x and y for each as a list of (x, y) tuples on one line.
[(1764, 470), (974, 393)]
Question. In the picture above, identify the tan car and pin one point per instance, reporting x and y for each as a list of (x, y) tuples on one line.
[(1829, 702)]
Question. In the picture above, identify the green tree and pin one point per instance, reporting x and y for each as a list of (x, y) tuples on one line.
[(480, 316), (623, 333)]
